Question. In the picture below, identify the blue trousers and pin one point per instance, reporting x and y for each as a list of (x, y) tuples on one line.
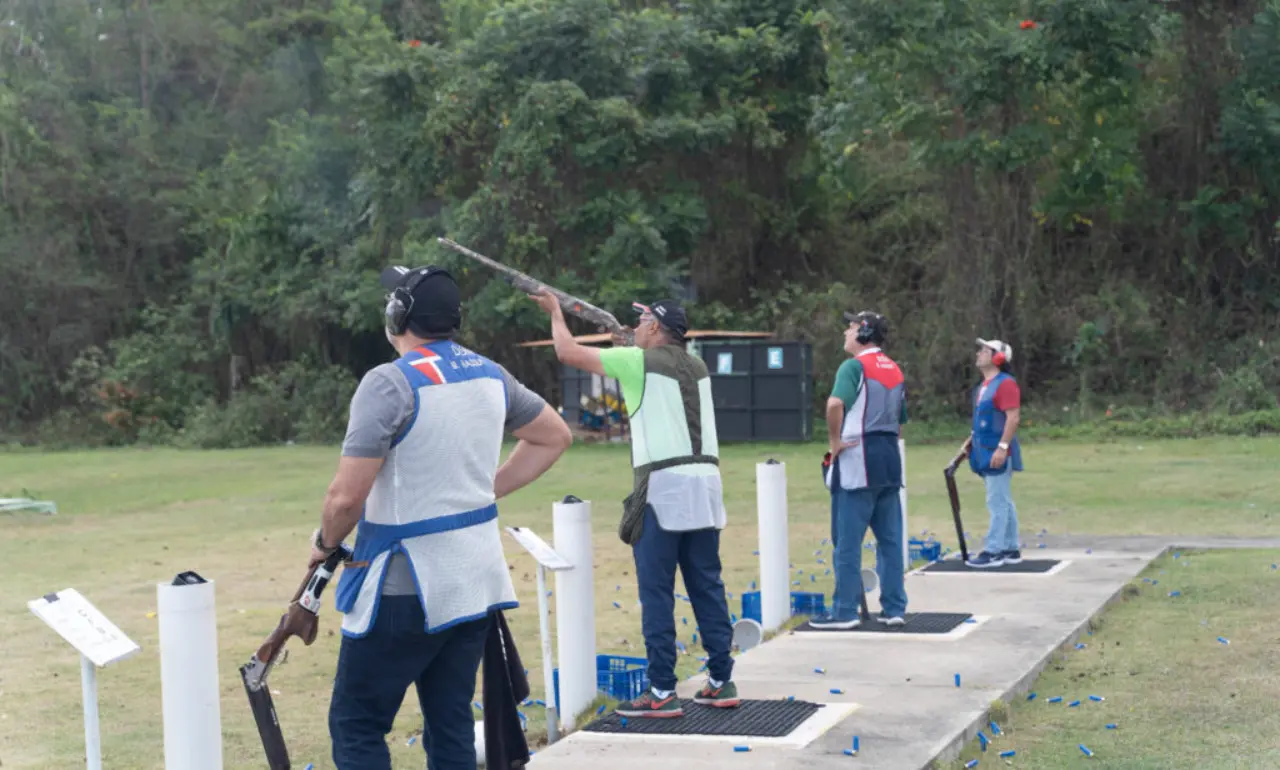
[(697, 553), (375, 671), (852, 511), (1002, 535)]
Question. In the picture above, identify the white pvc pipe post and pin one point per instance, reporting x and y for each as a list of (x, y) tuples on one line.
[(89, 688), (553, 732), (902, 502), (575, 610), (771, 512), (189, 675)]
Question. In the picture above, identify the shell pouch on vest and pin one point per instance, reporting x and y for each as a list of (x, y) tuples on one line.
[(632, 525), (988, 428)]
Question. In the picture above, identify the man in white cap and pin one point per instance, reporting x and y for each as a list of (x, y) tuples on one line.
[(993, 450)]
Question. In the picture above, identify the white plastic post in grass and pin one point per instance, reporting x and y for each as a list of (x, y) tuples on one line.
[(771, 512), (189, 673), (902, 502), (575, 610), (99, 643), (548, 559)]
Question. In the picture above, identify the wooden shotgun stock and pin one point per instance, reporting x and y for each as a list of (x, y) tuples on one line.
[(301, 620)]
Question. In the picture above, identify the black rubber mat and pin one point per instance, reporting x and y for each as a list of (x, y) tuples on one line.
[(751, 719), (917, 623), (1025, 566)]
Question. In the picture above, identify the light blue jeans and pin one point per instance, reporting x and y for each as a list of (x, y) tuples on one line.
[(1003, 533)]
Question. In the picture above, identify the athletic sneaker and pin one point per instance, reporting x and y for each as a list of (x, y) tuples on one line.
[(725, 696), (1011, 557), (986, 559), (829, 621), (892, 620), (649, 705)]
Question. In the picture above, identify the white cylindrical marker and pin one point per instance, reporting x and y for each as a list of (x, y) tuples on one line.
[(575, 610), (771, 511), (92, 734), (902, 501), (189, 673)]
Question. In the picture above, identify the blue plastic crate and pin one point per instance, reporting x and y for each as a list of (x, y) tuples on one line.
[(802, 603), (920, 550), (617, 676)]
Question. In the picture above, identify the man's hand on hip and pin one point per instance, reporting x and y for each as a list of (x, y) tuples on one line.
[(840, 446)]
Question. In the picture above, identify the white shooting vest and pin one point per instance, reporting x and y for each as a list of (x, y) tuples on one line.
[(433, 497)]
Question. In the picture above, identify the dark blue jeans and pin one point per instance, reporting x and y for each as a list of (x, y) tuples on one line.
[(852, 511), (697, 553), (375, 671)]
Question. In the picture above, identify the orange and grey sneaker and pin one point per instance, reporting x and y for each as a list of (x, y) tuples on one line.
[(649, 705), (724, 696)]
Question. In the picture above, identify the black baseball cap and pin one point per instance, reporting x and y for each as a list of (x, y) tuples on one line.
[(877, 324), (437, 301), (668, 313)]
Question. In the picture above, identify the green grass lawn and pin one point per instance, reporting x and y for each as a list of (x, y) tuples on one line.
[(1176, 695), (130, 519)]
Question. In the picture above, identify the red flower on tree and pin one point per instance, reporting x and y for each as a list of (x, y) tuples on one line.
[(415, 43), (1027, 24)]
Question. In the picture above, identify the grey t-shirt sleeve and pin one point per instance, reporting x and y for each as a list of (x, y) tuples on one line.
[(381, 405), (523, 405)]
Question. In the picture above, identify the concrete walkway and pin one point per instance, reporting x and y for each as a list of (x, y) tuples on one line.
[(899, 692)]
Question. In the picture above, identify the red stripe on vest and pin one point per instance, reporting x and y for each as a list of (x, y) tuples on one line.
[(879, 367)]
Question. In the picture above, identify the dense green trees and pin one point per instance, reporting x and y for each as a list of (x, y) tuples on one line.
[(195, 195)]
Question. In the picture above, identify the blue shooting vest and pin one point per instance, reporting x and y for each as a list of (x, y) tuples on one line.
[(988, 428), (433, 500)]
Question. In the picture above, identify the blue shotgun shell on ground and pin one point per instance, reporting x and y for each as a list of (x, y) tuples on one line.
[(1086, 750), (1097, 698), (1111, 726), (957, 680), (742, 748), (851, 752), (971, 763), (1008, 753)]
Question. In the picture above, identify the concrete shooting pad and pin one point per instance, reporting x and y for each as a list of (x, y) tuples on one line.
[(897, 692)]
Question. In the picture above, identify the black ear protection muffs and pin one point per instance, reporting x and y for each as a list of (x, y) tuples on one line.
[(867, 327), (400, 301)]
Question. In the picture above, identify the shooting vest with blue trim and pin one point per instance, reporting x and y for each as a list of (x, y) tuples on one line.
[(988, 428), (433, 498)]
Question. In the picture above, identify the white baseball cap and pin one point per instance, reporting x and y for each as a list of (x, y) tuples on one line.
[(999, 347)]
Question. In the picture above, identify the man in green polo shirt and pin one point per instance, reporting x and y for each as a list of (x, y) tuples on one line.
[(675, 512)]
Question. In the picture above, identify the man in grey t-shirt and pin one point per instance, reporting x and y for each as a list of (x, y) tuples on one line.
[(420, 475)]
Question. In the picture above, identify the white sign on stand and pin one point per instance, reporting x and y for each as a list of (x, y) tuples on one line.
[(548, 559), (99, 642)]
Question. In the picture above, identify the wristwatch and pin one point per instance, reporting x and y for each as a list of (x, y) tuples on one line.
[(1003, 446), (319, 542)]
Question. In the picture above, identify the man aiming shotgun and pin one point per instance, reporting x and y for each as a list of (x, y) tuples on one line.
[(675, 512)]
